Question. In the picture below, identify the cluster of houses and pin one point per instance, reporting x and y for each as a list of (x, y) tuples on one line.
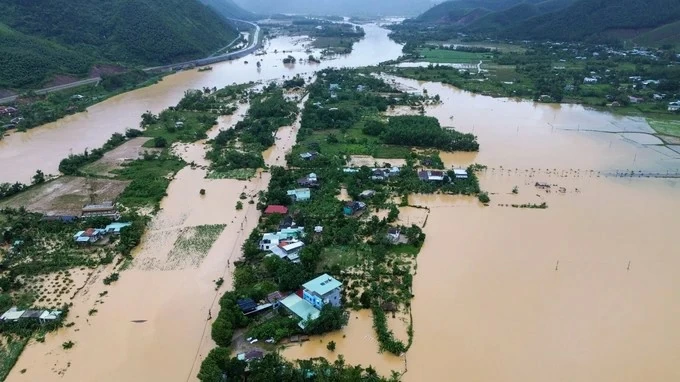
[(42, 316), (93, 235), (306, 303), (10, 112), (440, 175)]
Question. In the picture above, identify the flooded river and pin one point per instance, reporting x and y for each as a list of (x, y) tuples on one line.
[(585, 290), (42, 148)]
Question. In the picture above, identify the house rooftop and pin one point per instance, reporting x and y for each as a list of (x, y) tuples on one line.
[(300, 308), (276, 209), (322, 284)]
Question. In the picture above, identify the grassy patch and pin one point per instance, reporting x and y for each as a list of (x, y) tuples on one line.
[(665, 126), (9, 355), (195, 242), (150, 178), (239, 173), (442, 56)]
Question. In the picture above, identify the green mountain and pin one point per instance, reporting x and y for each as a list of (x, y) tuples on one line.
[(597, 19), (464, 11), (41, 38), (643, 21), (228, 9), (498, 21)]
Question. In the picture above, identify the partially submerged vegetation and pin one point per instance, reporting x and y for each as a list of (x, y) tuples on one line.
[(629, 81), (331, 37), (237, 152), (35, 110), (373, 257)]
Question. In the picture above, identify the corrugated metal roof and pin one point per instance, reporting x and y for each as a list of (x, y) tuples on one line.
[(300, 307)]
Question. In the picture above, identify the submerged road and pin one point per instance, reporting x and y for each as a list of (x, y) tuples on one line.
[(252, 46)]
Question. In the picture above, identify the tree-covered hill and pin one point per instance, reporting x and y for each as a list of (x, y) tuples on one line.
[(229, 9), (68, 36), (565, 20), (587, 19)]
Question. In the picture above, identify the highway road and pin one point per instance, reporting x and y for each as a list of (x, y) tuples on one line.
[(254, 45)]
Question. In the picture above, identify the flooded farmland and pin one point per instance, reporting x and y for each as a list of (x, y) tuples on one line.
[(584, 290)]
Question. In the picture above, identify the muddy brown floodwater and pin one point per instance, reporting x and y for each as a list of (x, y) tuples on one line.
[(585, 290)]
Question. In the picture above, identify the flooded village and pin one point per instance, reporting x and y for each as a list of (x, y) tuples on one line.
[(566, 272)]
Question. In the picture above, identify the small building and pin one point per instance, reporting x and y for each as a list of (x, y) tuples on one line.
[(353, 207), (106, 209), (310, 180), (334, 87), (275, 299), (31, 314), (431, 175), (309, 155), (633, 99), (49, 316), (246, 305), (270, 240), (674, 106), (658, 97), (89, 236), (349, 170), (7, 110), (300, 194), (289, 250), (367, 194), (318, 229), (115, 228), (590, 80), (460, 173), (250, 355), (322, 290), (393, 235), (304, 310), (361, 88), (61, 218), (12, 315), (275, 209)]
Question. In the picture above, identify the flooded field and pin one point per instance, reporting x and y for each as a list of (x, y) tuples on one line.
[(584, 290)]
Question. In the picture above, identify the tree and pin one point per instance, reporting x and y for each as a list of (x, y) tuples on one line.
[(484, 198), (239, 205), (331, 318), (331, 346), (160, 142), (39, 177)]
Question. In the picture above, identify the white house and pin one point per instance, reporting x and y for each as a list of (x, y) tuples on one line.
[(590, 80)]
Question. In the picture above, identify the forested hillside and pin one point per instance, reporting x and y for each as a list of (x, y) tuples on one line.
[(229, 9), (599, 19), (652, 21), (43, 38)]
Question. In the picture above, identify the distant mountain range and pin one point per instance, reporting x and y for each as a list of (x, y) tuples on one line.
[(338, 7), (652, 21), (40, 39)]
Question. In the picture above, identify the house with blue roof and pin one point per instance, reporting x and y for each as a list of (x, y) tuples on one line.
[(115, 228), (322, 290)]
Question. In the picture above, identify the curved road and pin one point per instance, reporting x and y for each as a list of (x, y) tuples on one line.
[(254, 44)]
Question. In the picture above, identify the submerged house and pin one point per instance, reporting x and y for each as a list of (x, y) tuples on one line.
[(276, 209)]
